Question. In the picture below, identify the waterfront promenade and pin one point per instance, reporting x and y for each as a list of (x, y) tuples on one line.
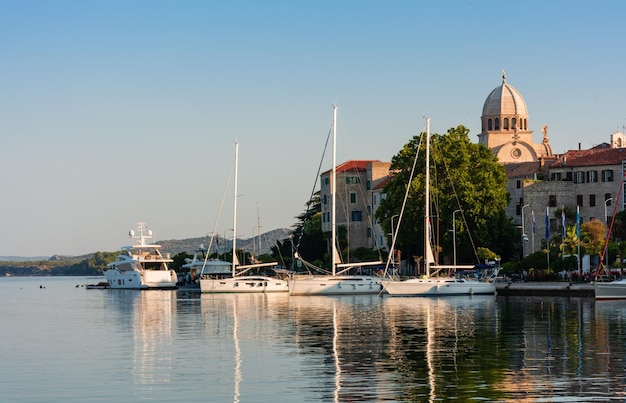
[(548, 289)]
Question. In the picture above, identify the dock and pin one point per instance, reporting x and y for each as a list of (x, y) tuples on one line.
[(545, 289)]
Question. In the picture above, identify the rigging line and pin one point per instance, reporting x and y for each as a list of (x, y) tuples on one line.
[(319, 169), (406, 196), (458, 203), (219, 214)]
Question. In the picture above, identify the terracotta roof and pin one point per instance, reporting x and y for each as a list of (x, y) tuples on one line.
[(382, 183), (353, 166), (591, 157)]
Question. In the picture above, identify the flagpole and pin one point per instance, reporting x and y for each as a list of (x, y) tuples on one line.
[(578, 236), (548, 235), (533, 234)]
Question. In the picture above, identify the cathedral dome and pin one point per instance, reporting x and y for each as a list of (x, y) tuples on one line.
[(505, 100)]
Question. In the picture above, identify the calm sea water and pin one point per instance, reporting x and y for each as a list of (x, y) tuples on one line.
[(63, 343)]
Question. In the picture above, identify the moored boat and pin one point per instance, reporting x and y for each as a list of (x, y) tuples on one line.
[(141, 266)]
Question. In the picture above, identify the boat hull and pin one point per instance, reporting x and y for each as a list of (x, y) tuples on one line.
[(134, 280), (335, 285), (438, 287), (243, 284), (610, 290)]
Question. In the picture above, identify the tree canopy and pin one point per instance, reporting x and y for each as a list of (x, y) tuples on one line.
[(464, 176)]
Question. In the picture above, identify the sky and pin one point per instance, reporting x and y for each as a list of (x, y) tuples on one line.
[(114, 112)]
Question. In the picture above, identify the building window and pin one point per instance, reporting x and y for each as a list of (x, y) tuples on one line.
[(552, 201), (352, 197), (357, 215), (506, 123), (579, 177), (592, 200), (514, 123), (369, 232), (489, 125), (368, 184), (325, 199), (579, 200), (326, 181), (607, 196), (568, 176), (497, 123), (607, 175), (556, 176), (518, 209), (592, 176)]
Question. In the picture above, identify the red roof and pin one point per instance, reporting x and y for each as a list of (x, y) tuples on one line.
[(591, 157), (353, 166)]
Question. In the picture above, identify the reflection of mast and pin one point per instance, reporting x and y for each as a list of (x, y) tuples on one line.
[(430, 350), (336, 353), (237, 354)]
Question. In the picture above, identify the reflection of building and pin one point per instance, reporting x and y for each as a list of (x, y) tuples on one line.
[(355, 212)]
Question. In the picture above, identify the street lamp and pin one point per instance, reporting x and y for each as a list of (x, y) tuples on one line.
[(606, 221), (524, 237), (454, 235), (392, 237), (606, 202)]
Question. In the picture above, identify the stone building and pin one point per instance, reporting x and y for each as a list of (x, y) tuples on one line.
[(355, 200), (541, 183)]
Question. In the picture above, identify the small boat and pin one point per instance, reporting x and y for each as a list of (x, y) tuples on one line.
[(615, 289), (433, 285), (102, 285), (141, 265)]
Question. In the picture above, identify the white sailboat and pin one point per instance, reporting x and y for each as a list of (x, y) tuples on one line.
[(238, 282), (429, 285), (337, 283)]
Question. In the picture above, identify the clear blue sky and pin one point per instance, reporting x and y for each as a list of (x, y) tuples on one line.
[(114, 112)]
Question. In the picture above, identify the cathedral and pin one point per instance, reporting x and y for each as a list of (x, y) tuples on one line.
[(505, 127)]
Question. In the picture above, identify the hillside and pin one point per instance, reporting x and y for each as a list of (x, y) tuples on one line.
[(189, 245)]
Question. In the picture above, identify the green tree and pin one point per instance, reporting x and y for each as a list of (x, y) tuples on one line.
[(464, 176)]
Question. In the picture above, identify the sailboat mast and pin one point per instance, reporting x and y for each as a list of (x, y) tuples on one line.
[(333, 181), (235, 210), (427, 204)]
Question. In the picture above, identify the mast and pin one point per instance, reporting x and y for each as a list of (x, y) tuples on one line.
[(235, 260), (333, 192), (427, 203)]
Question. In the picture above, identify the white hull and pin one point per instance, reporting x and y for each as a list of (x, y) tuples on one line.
[(134, 280), (335, 285), (243, 284), (438, 287), (611, 290)]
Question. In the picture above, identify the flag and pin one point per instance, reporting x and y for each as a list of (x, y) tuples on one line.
[(563, 222), (578, 222), (534, 224), (547, 224)]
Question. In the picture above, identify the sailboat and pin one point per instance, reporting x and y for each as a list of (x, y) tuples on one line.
[(337, 283), (238, 282), (431, 285)]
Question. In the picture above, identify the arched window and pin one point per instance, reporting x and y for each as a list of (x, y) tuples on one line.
[(619, 143), (489, 125), (513, 123), (497, 123), (506, 123)]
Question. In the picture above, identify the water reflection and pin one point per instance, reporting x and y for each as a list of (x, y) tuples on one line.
[(273, 347)]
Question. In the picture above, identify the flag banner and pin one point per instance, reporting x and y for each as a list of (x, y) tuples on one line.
[(578, 222)]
